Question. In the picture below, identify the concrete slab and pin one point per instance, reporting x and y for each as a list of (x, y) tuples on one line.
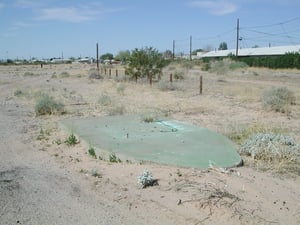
[(162, 141)]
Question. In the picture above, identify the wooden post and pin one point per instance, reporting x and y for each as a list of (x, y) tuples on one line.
[(200, 85), (105, 70), (150, 78), (116, 72), (171, 77), (109, 72)]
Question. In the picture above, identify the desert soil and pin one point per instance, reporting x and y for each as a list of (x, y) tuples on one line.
[(45, 181)]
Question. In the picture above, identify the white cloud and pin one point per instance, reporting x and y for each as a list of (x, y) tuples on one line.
[(73, 14), (26, 3), (216, 7)]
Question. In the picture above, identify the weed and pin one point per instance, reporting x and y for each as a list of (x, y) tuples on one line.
[(105, 100), (279, 99), (179, 75), (18, 93), (121, 89), (92, 152), (168, 86), (64, 74), (42, 135), (71, 140), (47, 105), (58, 141), (149, 118), (114, 159), (94, 74), (28, 74), (118, 110), (95, 173)]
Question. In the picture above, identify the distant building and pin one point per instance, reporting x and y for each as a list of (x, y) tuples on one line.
[(264, 51)]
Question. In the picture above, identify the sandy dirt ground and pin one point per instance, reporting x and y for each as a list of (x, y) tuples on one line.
[(45, 181)]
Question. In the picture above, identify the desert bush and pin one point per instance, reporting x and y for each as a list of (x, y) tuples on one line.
[(105, 100), (94, 74), (146, 179), (278, 99), (18, 93), (117, 110), (178, 75), (237, 65), (29, 74), (168, 86), (46, 105), (64, 74), (271, 147)]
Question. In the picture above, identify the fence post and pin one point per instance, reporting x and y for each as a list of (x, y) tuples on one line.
[(171, 77), (116, 72), (200, 85)]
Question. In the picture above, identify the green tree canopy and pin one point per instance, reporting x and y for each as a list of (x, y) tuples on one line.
[(106, 56), (145, 62), (123, 56), (223, 46)]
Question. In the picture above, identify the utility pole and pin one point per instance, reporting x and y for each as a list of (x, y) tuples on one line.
[(97, 56), (173, 54), (191, 48), (237, 38)]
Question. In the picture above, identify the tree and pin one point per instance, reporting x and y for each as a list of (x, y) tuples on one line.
[(197, 50), (123, 56), (223, 46), (107, 56), (168, 54), (145, 62)]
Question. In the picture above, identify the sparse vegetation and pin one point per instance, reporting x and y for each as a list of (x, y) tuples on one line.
[(18, 93), (71, 140), (105, 100), (270, 147), (278, 99), (92, 152), (46, 105), (117, 110), (94, 74), (113, 158)]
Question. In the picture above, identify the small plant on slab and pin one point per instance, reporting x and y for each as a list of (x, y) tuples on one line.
[(114, 159), (92, 152), (71, 140)]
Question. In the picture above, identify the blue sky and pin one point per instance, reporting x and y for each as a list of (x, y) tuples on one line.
[(50, 28)]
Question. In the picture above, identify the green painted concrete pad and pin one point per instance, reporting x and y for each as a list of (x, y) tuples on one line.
[(163, 141)]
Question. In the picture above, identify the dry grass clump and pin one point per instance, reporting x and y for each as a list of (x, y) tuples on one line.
[(278, 99), (46, 105), (94, 74)]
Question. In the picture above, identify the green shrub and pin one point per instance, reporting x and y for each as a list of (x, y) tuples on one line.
[(237, 65), (92, 152), (179, 75), (71, 140), (113, 158), (278, 99), (46, 105), (18, 93)]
